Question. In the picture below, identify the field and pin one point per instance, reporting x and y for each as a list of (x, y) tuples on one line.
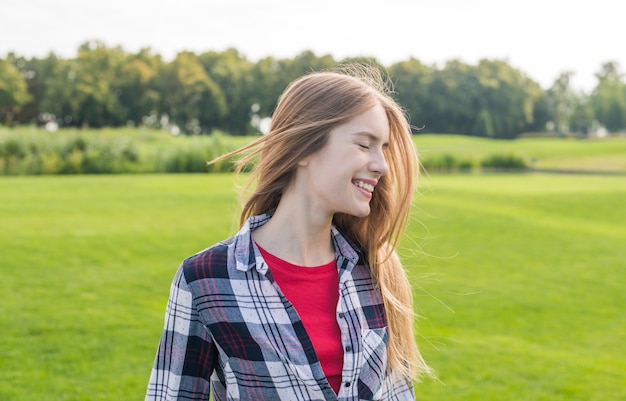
[(523, 287), (563, 154), (519, 280), (33, 151)]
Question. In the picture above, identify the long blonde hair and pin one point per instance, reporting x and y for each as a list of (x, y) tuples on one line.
[(306, 112)]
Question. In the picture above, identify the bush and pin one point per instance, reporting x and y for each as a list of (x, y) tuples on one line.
[(446, 163), (113, 151), (35, 151), (504, 162)]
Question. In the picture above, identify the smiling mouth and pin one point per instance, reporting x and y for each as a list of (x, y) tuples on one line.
[(364, 186)]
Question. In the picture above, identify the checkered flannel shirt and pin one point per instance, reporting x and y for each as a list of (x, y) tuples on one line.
[(230, 331)]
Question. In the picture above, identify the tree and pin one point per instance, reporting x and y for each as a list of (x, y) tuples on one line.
[(192, 100), (267, 83), (411, 80), (506, 100), (307, 62), (96, 69), (135, 86), (30, 71), (608, 99), (81, 91), (58, 99), (105, 86), (453, 99), (231, 72), (13, 91), (541, 114), (562, 100)]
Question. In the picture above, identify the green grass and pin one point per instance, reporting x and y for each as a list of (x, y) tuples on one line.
[(524, 292), (86, 263), (519, 279), (604, 155)]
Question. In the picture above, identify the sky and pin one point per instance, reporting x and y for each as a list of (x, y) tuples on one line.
[(541, 38)]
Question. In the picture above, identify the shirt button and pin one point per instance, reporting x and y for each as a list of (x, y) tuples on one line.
[(348, 349), (347, 384), (341, 315)]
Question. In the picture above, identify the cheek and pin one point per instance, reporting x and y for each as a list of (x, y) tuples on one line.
[(332, 161)]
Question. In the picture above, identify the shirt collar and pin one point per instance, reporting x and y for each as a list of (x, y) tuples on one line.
[(247, 257)]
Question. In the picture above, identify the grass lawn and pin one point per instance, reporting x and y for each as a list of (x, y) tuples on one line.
[(523, 293), (519, 279), (570, 154)]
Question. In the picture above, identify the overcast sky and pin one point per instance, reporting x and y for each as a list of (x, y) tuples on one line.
[(542, 38)]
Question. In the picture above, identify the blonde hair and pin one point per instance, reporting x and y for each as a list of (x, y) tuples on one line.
[(306, 112)]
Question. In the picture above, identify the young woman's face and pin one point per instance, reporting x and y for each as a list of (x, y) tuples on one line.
[(341, 177)]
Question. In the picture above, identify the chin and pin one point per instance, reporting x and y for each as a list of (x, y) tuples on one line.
[(358, 210), (361, 213)]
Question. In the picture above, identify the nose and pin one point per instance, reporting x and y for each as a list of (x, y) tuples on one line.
[(378, 163)]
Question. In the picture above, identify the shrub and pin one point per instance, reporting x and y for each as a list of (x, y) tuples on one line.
[(446, 163), (504, 162), (33, 151)]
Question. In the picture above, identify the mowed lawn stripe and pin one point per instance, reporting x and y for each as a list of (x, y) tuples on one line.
[(519, 278), (532, 267)]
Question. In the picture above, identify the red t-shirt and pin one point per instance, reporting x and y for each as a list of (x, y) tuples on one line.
[(314, 292)]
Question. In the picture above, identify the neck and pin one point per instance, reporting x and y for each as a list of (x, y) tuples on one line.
[(297, 233)]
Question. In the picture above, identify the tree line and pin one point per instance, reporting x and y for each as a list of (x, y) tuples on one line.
[(198, 93)]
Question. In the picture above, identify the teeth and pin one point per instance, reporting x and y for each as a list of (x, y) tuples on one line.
[(365, 186)]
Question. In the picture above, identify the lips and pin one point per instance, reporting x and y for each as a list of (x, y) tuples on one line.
[(366, 186)]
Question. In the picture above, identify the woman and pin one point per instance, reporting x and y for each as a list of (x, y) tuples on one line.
[(309, 301)]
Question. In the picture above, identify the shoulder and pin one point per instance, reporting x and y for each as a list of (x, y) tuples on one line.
[(210, 263), (229, 258)]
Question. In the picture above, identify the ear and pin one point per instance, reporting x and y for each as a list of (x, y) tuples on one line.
[(303, 162)]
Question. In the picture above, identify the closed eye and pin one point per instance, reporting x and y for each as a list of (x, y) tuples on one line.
[(363, 146)]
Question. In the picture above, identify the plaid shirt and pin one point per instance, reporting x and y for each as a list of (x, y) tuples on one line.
[(230, 331)]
